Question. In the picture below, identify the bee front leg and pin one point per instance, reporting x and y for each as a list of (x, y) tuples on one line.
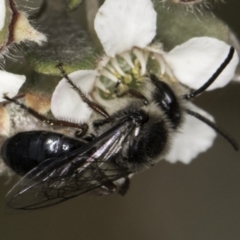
[(96, 107), (131, 92)]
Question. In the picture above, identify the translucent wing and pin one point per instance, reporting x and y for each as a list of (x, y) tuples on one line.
[(90, 167)]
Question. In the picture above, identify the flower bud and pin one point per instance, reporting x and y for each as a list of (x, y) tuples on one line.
[(15, 27)]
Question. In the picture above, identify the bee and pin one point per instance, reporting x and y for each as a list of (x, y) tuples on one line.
[(135, 136)]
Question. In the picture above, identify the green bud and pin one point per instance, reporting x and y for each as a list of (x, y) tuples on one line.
[(73, 4), (175, 26), (67, 43), (16, 28)]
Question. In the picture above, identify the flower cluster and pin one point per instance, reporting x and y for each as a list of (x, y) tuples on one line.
[(126, 30), (127, 35)]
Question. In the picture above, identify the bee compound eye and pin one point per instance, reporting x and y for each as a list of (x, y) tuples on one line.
[(167, 101)]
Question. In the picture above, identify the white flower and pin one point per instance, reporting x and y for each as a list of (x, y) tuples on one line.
[(10, 84), (126, 29)]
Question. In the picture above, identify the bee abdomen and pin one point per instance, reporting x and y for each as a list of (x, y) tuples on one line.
[(26, 150)]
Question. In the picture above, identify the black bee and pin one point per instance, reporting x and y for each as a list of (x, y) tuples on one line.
[(136, 136)]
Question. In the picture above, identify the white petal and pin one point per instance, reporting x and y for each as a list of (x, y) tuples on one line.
[(124, 24), (66, 104), (195, 61), (2, 14), (10, 83), (193, 138)]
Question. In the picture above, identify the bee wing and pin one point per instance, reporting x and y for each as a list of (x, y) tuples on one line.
[(83, 170)]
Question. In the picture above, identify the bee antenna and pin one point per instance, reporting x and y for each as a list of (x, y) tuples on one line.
[(221, 132), (213, 77)]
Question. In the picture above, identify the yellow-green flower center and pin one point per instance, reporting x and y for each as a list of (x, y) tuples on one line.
[(128, 71)]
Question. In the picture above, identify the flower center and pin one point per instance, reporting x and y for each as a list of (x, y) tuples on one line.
[(129, 70)]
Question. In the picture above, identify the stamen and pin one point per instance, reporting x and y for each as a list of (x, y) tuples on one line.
[(146, 56), (115, 64), (109, 75), (164, 66), (161, 63), (100, 85), (127, 57), (140, 56), (111, 69), (127, 79)]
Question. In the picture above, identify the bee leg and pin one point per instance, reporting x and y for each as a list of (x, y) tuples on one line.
[(111, 187), (107, 185), (99, 123), (96, 107), (89, 137), (138, 95), (82, 128), (131, 92), (104, 190), (19, 96), (123, 188)]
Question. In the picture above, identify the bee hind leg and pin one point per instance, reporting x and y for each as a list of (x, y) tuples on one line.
[(82, 128)]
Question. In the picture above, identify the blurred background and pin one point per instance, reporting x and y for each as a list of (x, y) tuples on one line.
[(169, 202)]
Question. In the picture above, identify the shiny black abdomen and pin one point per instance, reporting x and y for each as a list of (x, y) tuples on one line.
[(26, 150)]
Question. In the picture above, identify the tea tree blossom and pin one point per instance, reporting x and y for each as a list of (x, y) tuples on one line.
[(14, 29), (126, 30)]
